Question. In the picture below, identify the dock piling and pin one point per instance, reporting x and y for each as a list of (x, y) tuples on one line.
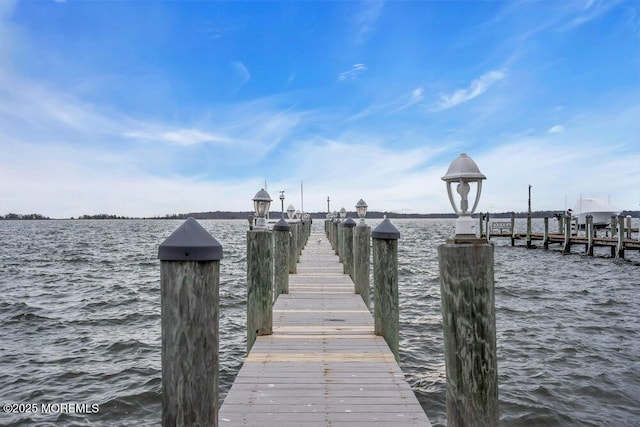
[(281, 258), (468, 312), (385, 284), (362, 260), (259, 284), (190, 300), (567, 235), (620, 245), (347, 266), (590, 234)]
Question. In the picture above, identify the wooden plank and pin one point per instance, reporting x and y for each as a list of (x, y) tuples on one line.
[(323, 365)]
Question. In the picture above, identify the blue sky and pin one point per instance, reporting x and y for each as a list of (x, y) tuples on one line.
[(148, 108)]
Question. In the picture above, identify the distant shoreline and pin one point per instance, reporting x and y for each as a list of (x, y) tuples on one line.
[(314, 215)]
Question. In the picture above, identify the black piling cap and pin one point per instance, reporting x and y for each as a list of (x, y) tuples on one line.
[(190, 242), (349, 222), (385, 230), (281, 225)]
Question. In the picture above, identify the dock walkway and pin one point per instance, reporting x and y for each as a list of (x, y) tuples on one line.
[(323, 365)]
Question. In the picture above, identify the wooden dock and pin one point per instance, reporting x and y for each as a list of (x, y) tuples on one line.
[(323, 365)]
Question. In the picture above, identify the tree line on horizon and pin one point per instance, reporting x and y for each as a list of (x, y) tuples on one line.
[(314, 215)]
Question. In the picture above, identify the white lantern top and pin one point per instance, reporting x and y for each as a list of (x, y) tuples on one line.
[(463, 167)]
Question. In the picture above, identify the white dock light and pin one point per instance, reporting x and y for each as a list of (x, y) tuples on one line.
[(291, 211), (261, 203), (298, 214), (343, 213), (464, 171), (361, 208)]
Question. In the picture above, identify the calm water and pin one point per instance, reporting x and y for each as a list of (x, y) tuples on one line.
[(80, 323)]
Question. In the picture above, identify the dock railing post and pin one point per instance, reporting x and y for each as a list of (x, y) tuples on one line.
[(620, 246), (190, 300), (259, 284), (545, 238), (281, 231), (567, 235), (293, 248), (362, 260), (628, 226), (347, 266), (589, 230), (480, 221), (385, 284)]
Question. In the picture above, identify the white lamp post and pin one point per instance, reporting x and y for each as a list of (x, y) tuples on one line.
[(282, 203), (291, 211), (298, 214), (464, 171), (343, 213), (361, 209), (261, 203)]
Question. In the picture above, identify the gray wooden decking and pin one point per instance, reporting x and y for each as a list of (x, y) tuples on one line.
[(323, 365)]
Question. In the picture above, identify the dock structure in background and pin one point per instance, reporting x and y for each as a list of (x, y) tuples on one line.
[(323, 364), (619, 236)]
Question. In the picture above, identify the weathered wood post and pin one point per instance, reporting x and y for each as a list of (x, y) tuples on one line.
[(385, 284), (347, 265), (529, 231), (486, 225), (560, 223), (281, 258), (545, 238), (614, 224), (293, 248), (513, 228), (362, 260), (336, 239), (567, 235), (341, 240), (189, 293), (590, 234), (480, 221), (300, 226), (620, 245), (259, 284), (628, 226), (468, 312)]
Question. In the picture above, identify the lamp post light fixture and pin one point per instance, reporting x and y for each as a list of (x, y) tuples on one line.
[(261, 203), (291, 211), (361, 209), (464, 171), (343, 213), (298, 214), (282, 203)]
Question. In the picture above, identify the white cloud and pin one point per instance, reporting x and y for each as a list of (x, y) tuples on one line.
[(556, 129), (184, 137), (367, 18), (242, 72), (475, 89), (353, 73)]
